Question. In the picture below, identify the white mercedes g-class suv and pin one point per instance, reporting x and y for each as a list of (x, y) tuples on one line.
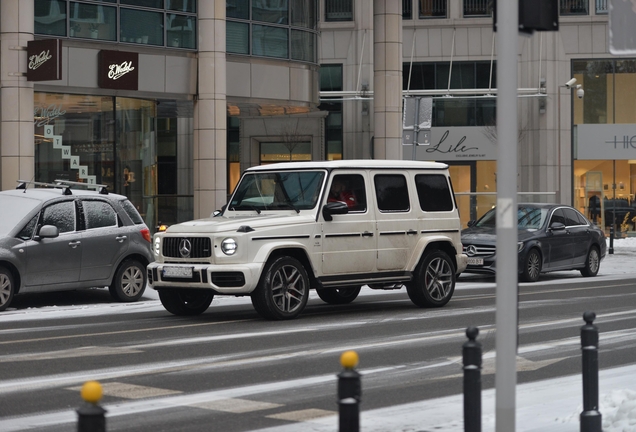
[(332, 226)]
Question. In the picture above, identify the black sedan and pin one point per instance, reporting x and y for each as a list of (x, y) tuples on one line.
[(551, 237)]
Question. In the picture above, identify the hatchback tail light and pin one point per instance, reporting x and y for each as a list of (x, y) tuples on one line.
[(145, 233)]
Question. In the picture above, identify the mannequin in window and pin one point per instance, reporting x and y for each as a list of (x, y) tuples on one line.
[(595, 208), (339, 192)]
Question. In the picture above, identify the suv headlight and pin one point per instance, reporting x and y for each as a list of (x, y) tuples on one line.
[(157, 246), (228, 246), (519, 246)]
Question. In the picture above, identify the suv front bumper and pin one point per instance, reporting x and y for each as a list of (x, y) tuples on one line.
[(224, 279)]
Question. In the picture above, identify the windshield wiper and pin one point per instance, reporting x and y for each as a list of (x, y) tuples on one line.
[(246, 207), (287, 205)]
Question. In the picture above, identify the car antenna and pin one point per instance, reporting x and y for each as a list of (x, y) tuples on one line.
[(23, 184)]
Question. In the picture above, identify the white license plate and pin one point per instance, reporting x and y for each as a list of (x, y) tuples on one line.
[(177, 272), (475, 261)]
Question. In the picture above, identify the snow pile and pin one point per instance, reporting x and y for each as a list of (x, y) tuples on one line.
[(618, 409)]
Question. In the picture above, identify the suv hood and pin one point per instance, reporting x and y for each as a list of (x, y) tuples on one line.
[(232, 223)]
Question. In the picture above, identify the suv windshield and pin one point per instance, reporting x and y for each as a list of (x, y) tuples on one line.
[(296, 190), (13, 209), (527, 218)]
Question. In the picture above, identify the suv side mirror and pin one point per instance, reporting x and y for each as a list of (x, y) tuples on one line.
[(48, 231), (332, 208)]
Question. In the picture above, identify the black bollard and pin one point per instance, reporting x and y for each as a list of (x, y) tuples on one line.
[(471, 353), (349, 393), (90, 416), (591, 419)]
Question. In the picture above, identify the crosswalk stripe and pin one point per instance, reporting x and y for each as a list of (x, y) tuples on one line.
[(302, 415), (235, 405)]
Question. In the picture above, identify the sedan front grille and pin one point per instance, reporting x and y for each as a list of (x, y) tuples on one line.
[(479, 250), (187, 247)]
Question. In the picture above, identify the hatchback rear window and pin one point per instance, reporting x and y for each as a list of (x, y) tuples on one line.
[(132, 212)]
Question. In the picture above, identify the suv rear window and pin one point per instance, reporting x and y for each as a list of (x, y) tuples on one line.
[(131, 211), (433, 192)]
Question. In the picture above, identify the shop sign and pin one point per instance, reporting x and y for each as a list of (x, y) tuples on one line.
[(465, 143), (44, 59), (605, 142), (118, 70)]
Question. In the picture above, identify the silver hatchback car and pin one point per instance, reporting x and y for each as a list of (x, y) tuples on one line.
[(59, 237)]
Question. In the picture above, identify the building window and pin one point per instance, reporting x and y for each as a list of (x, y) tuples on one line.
[(170, 23), (573, 7), (407, 9), (272, 152), (338, 10), (291, 32), (478, 8), (331, 80), (432, 8), (601, 7), (455, 111)]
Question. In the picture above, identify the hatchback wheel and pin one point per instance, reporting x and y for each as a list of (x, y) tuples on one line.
[(186, 301), (531, 267), (434, 281), (592, 263), (7, 288), (130, 281), (343, 295), (283, 290)]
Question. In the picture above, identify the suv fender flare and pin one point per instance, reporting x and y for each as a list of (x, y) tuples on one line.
[(438, 242), (277, 248)]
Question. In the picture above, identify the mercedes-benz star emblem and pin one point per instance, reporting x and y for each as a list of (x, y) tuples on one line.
[(471, 250), (185, 247)]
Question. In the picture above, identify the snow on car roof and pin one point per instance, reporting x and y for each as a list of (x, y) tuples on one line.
[(352, 163)]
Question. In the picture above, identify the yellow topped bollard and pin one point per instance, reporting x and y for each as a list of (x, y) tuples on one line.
[(90, 416), (349, 392)]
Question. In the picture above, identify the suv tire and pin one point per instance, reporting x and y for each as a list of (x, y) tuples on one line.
[(343, 295), (283, 289), (129, 282), (7, 288), (433, 283), (186, 301)]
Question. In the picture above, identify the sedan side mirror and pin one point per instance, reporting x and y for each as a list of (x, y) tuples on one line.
[(557, 226), (471, 222), (48, 231), (332, 208)]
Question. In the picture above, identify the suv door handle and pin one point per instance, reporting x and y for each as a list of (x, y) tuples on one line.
[(367, 234), (74, 244), (121, 239), (411, 232)]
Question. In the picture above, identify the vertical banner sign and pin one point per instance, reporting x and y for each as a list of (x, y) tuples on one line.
[(118, 70), (44, 59)]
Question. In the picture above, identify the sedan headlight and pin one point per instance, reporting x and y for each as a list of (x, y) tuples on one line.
[(228, 246), (519, 246), (157, 246)]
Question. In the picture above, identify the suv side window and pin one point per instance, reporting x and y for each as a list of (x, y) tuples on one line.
[(349, 188), (433, 192), (61, 215), (391, 192), (99, 214)]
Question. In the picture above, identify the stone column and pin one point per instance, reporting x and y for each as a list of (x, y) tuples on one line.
[(387, 81), (210, 124), (16, 94)]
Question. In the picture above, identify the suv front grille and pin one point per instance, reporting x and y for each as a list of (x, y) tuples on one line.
[(200, 247)]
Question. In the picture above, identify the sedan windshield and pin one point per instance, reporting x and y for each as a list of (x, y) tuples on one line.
[(295, 190), (13, 210), (527, 218)]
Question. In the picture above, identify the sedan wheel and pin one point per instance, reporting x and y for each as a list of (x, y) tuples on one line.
[(7, 288), (592, 263), (283, 290), (434, 281), (531, 267), (129, 282), (339, 295)]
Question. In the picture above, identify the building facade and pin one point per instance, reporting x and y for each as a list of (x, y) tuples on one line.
[(221, 86)]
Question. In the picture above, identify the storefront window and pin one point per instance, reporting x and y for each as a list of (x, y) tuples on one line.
[(141, 26), (272, 152), (604, 136), (121, 143), (93, 21)]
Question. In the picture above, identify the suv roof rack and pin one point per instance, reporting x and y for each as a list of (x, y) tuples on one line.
[(63, 184)]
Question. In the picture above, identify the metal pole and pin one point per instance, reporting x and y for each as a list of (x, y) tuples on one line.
[(591, 418), (349, 393), (471, 353), (613, 224), (506, 278), (416, 126)]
